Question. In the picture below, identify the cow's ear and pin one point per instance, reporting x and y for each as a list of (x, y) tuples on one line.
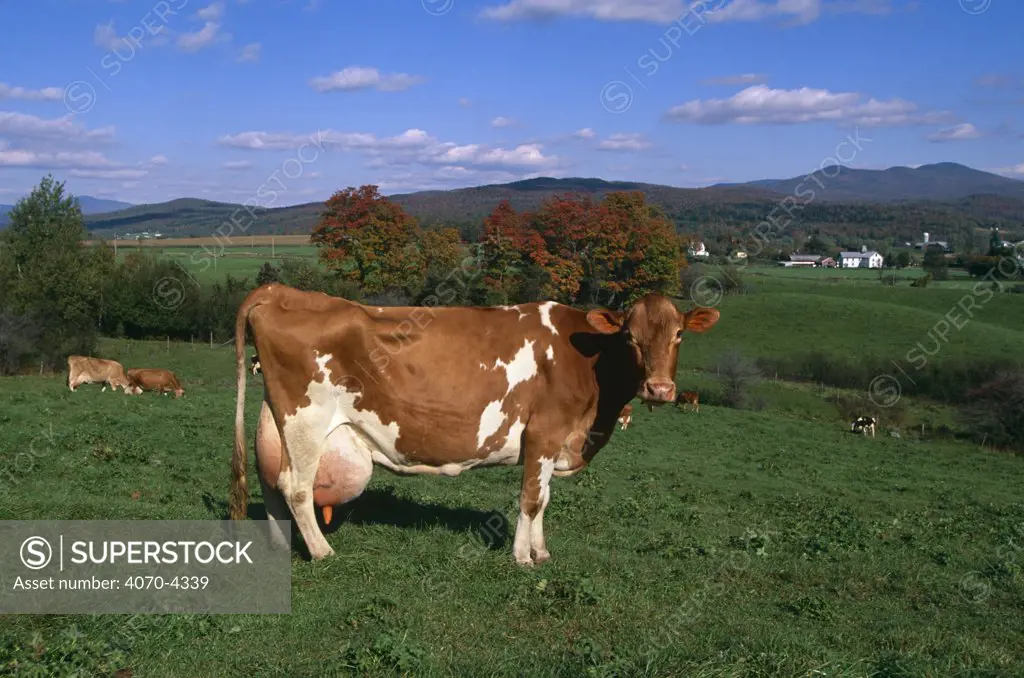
[(701, 319), (605, 321)]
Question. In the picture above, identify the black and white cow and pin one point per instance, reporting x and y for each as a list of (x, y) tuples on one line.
[(864, 425)]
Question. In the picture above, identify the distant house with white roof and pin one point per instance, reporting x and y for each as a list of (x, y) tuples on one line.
[(863, 259)]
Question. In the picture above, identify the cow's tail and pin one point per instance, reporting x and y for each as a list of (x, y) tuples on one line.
[(239, 498)]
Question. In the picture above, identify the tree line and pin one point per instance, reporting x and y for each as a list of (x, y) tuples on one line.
[(57, 296)]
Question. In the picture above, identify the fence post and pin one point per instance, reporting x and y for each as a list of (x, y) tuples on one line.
[(211, 338)]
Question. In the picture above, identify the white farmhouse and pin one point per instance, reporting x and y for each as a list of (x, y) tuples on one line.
[(870, 259), (698, 251)]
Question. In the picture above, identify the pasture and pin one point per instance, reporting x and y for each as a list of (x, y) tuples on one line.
[(208, 260), (724, 543)]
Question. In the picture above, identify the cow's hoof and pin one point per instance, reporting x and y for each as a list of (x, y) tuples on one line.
[(541, 557), (527, 562), (320, 554)]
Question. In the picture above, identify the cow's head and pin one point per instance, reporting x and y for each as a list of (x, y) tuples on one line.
[(653, 329)]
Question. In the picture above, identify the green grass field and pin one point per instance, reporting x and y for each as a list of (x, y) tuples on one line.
[(237, 261), (724, 543)]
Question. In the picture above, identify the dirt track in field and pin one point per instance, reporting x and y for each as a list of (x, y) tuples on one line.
[(242, 241)]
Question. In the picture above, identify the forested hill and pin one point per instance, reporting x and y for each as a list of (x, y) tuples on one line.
[(985, 200)]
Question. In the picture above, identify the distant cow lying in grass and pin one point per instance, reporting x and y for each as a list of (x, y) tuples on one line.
[(626, 417), (864, 425), (160, 380), (689, 397)]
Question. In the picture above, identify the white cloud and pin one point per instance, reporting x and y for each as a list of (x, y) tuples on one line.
[(250, 53), (624, 142), (960, 132), (211, 12), (204, 37), (668, 11), (237, 165), (157, 160), (65, 129), (1017, 170), (105, 36), (762, 105), (743, 79), (44, 94), (414, 146), (999, 81), (358, 77), (109, 173), (502, 121), (585, 133), (465, 103), (44, 160)]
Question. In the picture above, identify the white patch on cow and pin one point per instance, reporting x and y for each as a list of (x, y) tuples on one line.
[(516, 309), (380, 310), (522, 367), (510, 450), (490, 421), (545, 316), (483, 366), (550, 353), (331, 407)]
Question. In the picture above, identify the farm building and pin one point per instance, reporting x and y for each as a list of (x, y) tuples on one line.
[(698, 250), (806, 260), (860, 259)]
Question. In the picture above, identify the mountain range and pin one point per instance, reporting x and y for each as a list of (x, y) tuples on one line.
[(852, 200), (89, 205)]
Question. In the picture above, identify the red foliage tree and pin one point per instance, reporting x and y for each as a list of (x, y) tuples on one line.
[(365, 237)]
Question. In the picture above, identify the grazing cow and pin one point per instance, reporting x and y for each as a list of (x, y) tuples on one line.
[(437, 391), (154, 379), (83, 370), (864, 425), (255, 365), (626, 417), (689, 397)]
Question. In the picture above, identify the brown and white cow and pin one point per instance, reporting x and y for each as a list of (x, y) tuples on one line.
[(437, 391), (690, 398), (626, 417), (255, 365), (83, 370), (154, 379)]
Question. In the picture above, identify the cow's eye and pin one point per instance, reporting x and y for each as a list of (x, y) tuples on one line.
[(679, 335)]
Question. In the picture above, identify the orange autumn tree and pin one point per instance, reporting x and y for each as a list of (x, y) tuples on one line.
[(506, 245), (607, 253), (366, 238), (653, 251)]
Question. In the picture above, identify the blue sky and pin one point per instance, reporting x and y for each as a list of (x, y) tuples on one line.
[(149, 101)]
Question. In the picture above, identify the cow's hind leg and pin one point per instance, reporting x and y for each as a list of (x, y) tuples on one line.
[(268, 464), (304, 450)]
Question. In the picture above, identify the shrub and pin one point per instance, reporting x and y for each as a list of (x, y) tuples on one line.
[(737, 374), (18, 337), (994, 412)]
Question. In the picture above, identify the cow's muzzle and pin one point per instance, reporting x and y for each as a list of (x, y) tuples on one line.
[(658, 392)]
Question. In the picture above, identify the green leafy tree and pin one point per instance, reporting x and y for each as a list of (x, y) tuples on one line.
[(903, 260), (50, 279)]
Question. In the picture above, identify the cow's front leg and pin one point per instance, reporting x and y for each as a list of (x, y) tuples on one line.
[(529, 547)]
